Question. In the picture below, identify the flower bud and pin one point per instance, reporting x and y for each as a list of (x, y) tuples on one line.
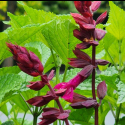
[(101, 90), (28, 62)]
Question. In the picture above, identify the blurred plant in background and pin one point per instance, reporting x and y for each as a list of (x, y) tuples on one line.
[(57, 7)]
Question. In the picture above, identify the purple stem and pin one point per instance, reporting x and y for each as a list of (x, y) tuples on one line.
[(93, 72), (93, 84), (58, 102)]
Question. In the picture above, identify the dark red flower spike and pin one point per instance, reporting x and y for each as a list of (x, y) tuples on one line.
[(28, 62)]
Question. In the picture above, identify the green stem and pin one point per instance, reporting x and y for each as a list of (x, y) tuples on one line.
[(120, 57), (117, 114), (26, 103), (57, 74), (13, 110), (41, 110), (120, 69), (112, 110), (35, 119), (36, 112), (23, 118), (112, 60), (101, 109), (64, 77), (53, 57)]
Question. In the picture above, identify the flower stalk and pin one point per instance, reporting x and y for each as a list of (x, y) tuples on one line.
[(57, 101)]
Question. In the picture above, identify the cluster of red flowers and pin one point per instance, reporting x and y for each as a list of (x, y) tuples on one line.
[(30, 64), (89, 35)]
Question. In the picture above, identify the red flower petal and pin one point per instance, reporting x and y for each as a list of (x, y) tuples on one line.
[(40, 100), (95, 5), (50, 113), (83, 45), (101, 62), (79, 18), (88, 26), (60, 92), (51, 75), (89, 103), (81, 55), (95, 43), (63, 116), (79, 98), (27, 70), (36, 85), (47, 121), (99, 33), (78, 63), (101, 18), (86, 71), (78, 34), (87, 3), (85, 104)]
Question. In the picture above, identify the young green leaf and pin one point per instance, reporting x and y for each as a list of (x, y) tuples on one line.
[(116, 21)]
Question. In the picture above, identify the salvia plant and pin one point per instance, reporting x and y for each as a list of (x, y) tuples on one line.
[(40, 43)]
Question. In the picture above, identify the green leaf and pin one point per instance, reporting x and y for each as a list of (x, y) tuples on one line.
[(103, 110), (17, 99), (9, 82), (3, 108), (49, 64), (110, 99), (42, 49), (87, 84), (122, 76), (23, 35), (18, 121), (38, 16), (3, 39), (109, 76), (59, 35), (121, 121), (9, 70), (121, 92), (25, 80), (70, 74), (108, 40), (81, 116), (18, 21), (117, 21), (6, 108), (8, 123)]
